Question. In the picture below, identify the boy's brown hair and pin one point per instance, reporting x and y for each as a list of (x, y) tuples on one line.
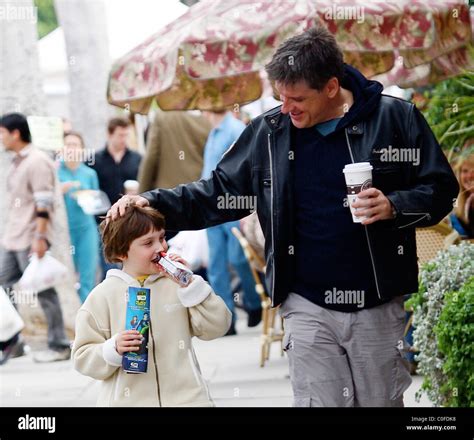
[(117, 235)]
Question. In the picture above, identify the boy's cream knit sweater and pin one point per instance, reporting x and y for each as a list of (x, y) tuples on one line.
[(173, 377)]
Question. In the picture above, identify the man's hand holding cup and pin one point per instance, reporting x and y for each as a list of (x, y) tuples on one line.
[(373, 205), (367, 204)]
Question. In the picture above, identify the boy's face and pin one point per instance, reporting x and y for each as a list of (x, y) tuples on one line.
[(143, 250)]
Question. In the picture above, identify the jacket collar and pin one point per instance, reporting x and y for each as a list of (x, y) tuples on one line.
[(275, 119), (124, 276)]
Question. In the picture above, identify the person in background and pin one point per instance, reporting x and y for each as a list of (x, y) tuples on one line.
[(243, 116), (252, 231), (75, 176), (224, 248), (174, 150), (462, 219), (67, 125), (115, 164), (31, 180)]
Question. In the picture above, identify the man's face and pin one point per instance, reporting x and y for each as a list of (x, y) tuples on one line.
[(8, 139), (119, 138), (144, 249), (306, 106)]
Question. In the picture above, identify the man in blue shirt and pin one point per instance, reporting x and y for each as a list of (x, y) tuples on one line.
[(224, 248)]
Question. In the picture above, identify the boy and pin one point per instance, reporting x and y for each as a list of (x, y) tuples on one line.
[(177, 314)]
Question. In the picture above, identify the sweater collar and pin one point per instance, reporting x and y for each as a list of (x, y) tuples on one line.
[(124, 276)]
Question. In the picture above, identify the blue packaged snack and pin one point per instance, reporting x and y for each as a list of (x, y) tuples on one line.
[(137, 318)]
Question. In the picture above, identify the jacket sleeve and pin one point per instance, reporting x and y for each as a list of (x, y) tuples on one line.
[(208, 315), (435, 186), (204, 203), (149, 166), (92, 353)]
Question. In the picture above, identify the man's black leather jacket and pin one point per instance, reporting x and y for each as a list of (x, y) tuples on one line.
[(258, 165)]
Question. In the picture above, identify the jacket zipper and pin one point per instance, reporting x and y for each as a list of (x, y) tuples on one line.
[(365, 226), (271, 218), (425, 215), (156, 366)]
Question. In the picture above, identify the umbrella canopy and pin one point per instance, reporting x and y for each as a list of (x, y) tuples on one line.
[(213, 55)]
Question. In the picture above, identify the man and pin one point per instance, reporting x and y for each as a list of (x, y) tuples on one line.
[(31, 183), (340, 283), (115, 164), (224, 248), (174, 151)]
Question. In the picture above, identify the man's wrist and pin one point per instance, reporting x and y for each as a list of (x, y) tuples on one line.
[(40, 236), (394, 211)]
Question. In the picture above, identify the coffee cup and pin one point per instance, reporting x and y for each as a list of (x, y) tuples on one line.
[(358, 178), (131, 187)]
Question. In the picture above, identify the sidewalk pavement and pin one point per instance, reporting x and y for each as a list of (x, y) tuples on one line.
[(230, 365)]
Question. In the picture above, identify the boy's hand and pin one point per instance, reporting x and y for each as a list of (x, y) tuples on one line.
[(128, 340)]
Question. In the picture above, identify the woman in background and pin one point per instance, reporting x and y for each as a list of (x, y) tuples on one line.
[(74, 175), (462, 218)]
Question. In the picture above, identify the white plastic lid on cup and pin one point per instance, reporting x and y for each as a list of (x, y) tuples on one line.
[(357, 167), (131, 185)]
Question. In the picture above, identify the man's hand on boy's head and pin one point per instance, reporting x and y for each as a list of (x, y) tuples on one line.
[(128, 340), (119, 208)]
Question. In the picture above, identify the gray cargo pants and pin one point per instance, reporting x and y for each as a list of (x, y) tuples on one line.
[(345, 359)]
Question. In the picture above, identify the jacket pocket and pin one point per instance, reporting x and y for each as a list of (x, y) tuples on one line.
[(261, 175), (287, 342), (401, 378), (387, 178)]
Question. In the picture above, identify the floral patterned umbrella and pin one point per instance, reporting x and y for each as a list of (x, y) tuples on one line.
[(211, 57)]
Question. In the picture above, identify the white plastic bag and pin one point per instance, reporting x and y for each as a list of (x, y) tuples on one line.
[(43, 273), (10, 320)]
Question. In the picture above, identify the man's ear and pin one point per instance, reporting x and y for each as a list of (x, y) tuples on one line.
[(332, 87), (16, 134)]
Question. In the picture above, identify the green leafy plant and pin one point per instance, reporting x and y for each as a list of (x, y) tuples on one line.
[(448, 272), (455, 333), (450, 113), (47, 20)]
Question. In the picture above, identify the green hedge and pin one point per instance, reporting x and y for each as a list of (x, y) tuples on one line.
[(455, 333), (445, 348)]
